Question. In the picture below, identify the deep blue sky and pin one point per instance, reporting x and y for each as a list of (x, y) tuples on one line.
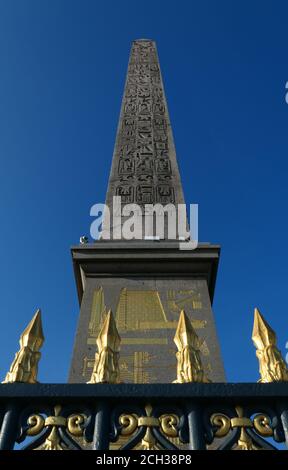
[(63, 65)]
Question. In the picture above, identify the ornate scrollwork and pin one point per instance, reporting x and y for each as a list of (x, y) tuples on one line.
[(36, 423), (75, 424), (129, 424), (152, 431), (169, 424), (221, 423), (263, 425), (54, 431), (242, 432)]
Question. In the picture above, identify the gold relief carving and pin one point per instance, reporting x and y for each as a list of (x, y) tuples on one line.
[(139, 311), (139, 305), (126, 366), (177, 300), (142, 310), (24, 368), (88, 364), (272, 366), (189, 365), (159, 341), (98, 312), (141, 361), (203, 347), (136, 341), (169, 325), (106, 366), (208, 368)]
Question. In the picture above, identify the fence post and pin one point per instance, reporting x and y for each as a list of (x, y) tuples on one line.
[(9, 427), (283, 410), (196, 429), (102, 427)]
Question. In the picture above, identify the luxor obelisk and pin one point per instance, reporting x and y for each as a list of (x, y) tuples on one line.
[(145, 282)]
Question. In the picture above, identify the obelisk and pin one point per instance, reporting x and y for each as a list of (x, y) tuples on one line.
[(144, 167), (146, 282)]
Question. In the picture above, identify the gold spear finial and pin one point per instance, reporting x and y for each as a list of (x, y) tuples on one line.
[(106, 367), (189, 365), (272, 366), (24, 368)]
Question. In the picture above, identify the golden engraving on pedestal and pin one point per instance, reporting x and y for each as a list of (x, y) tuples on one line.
[(106, 366), (169, 325), (137, 313), (177, 300), (189, 365), (133, 367), (203, 346), (147, 341), (88, 365), (141, 367), (24, 368), (98, 312), (139, 310), (136, 341), (136, 306), (272, 365), (126, 365)]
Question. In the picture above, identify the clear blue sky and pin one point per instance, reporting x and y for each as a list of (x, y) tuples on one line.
[(63, 65)]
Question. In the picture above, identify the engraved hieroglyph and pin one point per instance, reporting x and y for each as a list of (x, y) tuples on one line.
[(140, 311), (143, 310), (144, 167), (142, 146), (98, 312)]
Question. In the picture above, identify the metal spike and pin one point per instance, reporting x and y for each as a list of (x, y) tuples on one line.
[(24, 368), (189, 365), (33, 336), (262, 334), (272, 366), (106, 366)]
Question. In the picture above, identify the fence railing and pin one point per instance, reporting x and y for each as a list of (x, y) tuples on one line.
[(147, 417)]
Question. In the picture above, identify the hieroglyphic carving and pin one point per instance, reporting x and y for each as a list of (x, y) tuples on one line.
[(133, 367), (142, 137), (139, 312), (138, 305), (163, 166), (177, 300), (144, 194), (165, 194), (98, 312), (144, 165), (126, 166), (126, 192)]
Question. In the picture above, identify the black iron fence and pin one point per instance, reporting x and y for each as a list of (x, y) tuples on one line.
[(147, 417)]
